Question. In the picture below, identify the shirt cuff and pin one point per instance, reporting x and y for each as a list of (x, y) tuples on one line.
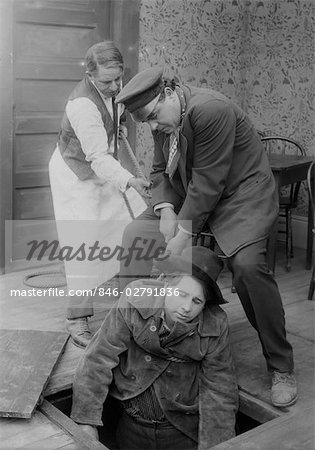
[(181, 228), (84, 421), (123, 181), (160, 206)]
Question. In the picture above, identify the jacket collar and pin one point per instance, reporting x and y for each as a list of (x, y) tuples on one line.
[(151, 306), (147, 305), (209, 323)]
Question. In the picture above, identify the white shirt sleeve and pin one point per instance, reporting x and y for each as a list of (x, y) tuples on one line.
[(88, 126)]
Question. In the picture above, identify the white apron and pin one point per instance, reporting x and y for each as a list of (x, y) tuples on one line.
[(87, 213)]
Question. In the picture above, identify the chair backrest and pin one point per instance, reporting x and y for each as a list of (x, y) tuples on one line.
[(285, 146), (282, 145), (311, 186)]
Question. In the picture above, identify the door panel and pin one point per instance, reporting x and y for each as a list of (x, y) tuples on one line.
[(33, 202), (47, 71), (37, 123), (49, 13), (48, 40), (42, 95), (33, 151)]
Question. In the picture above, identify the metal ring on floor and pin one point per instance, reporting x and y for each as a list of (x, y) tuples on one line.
[(45, 279)]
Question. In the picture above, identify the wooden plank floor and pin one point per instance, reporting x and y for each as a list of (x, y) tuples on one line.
[(47, 313), (289, 432), (27, 358), (36, 433), (250, 364), (48, 429)]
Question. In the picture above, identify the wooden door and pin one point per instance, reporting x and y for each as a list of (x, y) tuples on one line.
[(42, 60)]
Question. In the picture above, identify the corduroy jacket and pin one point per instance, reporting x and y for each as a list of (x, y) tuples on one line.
[(198, 395)]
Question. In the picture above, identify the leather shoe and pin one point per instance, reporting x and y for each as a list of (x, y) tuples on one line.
[(283, 389), (79, 331)]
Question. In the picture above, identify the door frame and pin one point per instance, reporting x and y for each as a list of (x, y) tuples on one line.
[(6, 121)]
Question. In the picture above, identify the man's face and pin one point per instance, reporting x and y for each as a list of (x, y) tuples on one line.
[(108, 80), (189, 302), (165, 116)]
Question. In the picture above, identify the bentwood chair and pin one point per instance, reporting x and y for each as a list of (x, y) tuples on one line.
[(288, 199), (205, 239), (289, 196), (311, 193)]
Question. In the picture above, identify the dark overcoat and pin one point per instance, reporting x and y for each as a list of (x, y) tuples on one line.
[(223, 175)]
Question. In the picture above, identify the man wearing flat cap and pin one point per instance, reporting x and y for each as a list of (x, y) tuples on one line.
[(210, 168), (164, 353)]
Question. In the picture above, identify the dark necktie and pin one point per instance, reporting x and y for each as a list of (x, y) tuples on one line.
[(173, 154)]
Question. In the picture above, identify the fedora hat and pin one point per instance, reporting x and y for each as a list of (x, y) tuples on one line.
[(199, 262)]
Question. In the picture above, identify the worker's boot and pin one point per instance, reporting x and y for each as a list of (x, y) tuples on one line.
[(79, 331), (283, 389)]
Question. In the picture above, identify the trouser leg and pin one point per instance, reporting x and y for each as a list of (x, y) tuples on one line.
[(261, 300), (131, 435), (80, 307), (142, 242)]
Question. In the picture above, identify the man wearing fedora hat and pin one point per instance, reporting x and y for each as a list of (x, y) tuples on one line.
[(164, 353), (210, 168)]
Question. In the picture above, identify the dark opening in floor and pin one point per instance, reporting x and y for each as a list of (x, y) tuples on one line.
[(111, 412)]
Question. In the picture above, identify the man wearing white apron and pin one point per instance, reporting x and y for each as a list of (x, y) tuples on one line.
[(88, 182)]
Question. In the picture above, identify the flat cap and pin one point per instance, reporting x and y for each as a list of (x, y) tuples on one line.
[(140, 91)]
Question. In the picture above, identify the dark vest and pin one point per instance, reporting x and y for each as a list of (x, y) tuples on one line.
[(69, 144)]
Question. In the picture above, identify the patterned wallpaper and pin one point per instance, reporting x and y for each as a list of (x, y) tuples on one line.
[(260, 53)]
